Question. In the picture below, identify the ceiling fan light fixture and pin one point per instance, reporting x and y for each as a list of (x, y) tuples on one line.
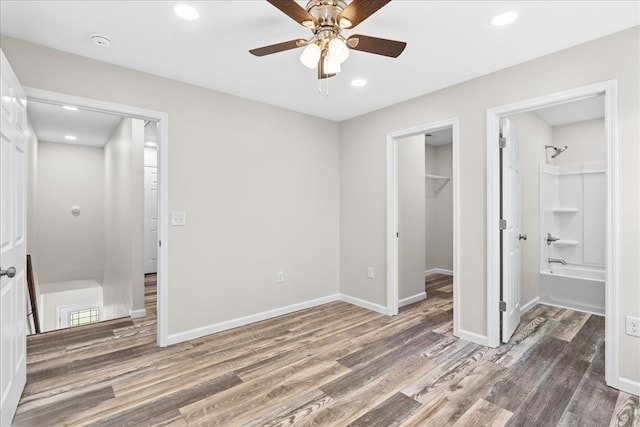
[(311, 55), (331, 65), (345, 23), (308, 23), (338, 49)]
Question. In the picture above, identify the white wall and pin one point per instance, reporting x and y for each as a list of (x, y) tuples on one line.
[(363, 173), (411, 213), (586, 141), (533, 134), (439, 217), (123, 284), (296, 227), (259, 185), (69, 247), (55, 296), (31, 168)]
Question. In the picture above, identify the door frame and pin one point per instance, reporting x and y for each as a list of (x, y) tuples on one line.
[(392, 212), (609, 89), (163, 182)]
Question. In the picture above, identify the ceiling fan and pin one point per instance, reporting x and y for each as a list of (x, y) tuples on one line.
[(327, 48)]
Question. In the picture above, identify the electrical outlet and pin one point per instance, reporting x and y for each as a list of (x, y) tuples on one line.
[(178, 218), (632, 326), (280, 277), (370, 273)]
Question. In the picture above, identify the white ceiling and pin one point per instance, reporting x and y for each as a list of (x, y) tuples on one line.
[(571, 112), (448, 42), (52, 123)]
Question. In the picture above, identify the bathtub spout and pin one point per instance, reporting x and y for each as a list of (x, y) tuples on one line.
[(558, 260)]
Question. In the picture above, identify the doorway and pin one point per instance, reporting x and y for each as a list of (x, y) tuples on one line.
[(495, 255), (394, 231), (143, 115)]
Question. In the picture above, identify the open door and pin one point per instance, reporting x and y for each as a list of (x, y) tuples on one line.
[(13, 245), (510, 230)]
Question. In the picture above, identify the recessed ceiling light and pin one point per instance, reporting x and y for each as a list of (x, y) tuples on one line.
[(358, 82), (70, 107), (504, 18), (70, 137), (185, 11)]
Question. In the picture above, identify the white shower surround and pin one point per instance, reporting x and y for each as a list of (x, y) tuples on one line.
[(573, 209)]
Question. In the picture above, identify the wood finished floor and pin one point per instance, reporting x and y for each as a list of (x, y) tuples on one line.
[(333, 365)]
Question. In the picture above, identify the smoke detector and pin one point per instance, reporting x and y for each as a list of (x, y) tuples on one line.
[(100, 39)]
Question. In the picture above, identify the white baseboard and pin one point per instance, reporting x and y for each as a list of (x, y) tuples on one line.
[(364, 304), (629, 386), (241, 321), (473, 337), (438, 271), (528, 306), (138, 313), (412, 299)]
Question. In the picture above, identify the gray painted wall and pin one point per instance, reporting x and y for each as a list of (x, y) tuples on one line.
[(411, 212), (363, 172)]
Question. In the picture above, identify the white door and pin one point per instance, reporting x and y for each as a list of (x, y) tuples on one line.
[(150, 218), (13, 255), (510, 238)]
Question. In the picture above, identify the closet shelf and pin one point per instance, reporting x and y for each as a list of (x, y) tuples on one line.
[(435, 183), (565, 210), (565, 243)]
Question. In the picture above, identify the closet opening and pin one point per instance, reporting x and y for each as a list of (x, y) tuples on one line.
[(423, 217)]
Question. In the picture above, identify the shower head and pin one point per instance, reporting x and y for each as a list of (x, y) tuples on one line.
[(557, 150)]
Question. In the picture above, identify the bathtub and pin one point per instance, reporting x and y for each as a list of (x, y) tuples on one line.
[(573, 287)]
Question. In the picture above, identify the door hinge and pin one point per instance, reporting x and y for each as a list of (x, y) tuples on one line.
[(397, 235), (503, 142), (503, 224), (503, 306), (160, 243)]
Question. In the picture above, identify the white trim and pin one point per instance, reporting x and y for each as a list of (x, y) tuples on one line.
[(363, 304), (473, 337), (438, 271), (528, 306), (414, 298), (610, 89), (245, 320), (392, 214), (582, 310), (163, 183), (134, 314), (629, 386)]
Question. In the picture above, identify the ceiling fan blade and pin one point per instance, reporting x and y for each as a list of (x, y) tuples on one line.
[(376, 45), (294, 11), (358, 11), (278, 47)]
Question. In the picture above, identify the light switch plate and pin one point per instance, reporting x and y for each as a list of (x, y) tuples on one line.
[(178, 218)]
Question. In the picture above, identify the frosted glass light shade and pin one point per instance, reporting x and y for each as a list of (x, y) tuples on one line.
[(338, 50), (331, 65), (311, 55)]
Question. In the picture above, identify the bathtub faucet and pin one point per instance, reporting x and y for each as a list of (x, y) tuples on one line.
[(558, 260)]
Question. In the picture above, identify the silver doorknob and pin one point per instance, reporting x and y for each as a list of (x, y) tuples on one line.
[(522, 237), (9, 272)]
